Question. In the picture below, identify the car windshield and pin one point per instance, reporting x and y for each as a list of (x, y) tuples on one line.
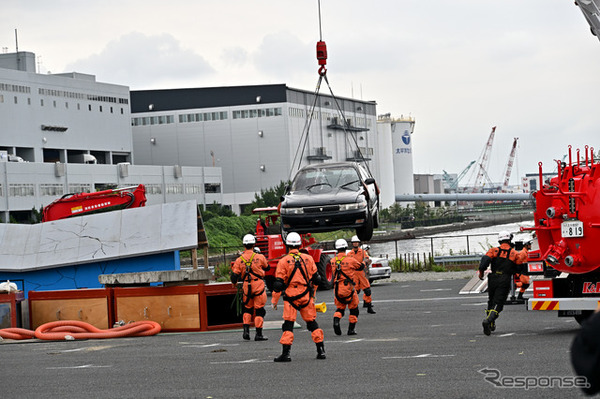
[(326, 179)]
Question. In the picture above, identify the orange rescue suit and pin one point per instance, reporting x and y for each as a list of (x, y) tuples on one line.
[(251, 267), (360, 277), (296, 270), (345, 270)]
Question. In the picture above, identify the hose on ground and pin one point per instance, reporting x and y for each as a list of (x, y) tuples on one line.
[(75, 329)]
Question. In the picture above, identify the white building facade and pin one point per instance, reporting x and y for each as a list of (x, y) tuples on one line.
[(54, 124), (256, 134)]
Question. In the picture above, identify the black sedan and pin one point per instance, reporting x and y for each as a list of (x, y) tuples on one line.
[(331, 196)]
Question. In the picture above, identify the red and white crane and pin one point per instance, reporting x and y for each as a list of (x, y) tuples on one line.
[(483, 164), (509, 165)]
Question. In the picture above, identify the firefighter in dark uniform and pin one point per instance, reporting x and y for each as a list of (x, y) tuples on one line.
[(504, 261)]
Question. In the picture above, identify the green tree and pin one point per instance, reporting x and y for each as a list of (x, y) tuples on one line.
[(215, 210), (268, 197)]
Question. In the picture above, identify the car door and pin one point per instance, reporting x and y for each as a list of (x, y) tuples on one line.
[(371, 188)]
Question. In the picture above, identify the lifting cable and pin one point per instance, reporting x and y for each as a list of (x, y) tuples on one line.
[(322, 61)]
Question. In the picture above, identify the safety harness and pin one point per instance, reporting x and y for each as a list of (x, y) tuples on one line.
[(298, 262), (346, 280), (248, 278), (501, 263)]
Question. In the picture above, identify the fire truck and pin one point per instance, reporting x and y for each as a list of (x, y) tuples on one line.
[(271, 245), (567, 227), (79, 204)]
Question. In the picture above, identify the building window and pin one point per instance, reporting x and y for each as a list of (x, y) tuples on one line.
[(212, 188), (89, 107), (111, 110), (51, 189), (193, 189), (80, 188), (28, 100), (21, 190), (16, 100), (66, 105), (42, 102), (1, 98), (174, 188), (100, 108), (121, 111), (153, 188), (78, 107)]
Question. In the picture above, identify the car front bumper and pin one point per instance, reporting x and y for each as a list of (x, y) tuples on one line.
[(323, 221)]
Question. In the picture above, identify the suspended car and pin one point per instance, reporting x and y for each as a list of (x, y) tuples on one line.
[(329, 197)]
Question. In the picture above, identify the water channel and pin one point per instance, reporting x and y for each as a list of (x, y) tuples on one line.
[(471, 241)]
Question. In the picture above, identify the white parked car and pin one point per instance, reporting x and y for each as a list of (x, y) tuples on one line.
[(379, 269)]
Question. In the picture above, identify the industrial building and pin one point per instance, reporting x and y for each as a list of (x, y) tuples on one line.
[(65, 133), (256, 135)]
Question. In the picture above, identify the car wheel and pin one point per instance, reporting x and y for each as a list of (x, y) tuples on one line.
[(580, 318), (365, 233), (283, 234), (322, 267)]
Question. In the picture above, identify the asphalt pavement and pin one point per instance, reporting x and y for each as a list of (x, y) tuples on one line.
[(425, 341)]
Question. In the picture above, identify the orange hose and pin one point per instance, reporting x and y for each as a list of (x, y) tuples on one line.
[(59, 330)]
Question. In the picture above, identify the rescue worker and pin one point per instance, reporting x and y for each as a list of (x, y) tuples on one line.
[(521, 279), (296, 278), (360, 278), (249, 269), (345, 267), (504, 261)]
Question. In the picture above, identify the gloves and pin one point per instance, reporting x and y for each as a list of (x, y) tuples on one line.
[(480, 274)]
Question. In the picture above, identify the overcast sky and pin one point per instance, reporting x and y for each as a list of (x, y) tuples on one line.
[(529, 67)]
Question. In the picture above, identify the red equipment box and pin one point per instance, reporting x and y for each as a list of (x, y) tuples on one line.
[(543, 289), (10, 310), (202, 307), (93, 306)]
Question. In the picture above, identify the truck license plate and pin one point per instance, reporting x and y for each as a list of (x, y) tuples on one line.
[(572, 229)]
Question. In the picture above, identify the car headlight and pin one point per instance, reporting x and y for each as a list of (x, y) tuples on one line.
[(292, 211), (353, 207)]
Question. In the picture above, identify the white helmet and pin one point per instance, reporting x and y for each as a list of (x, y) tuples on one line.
[(341, 244), (256, 249), (504, 236), (355, 239), (249, 240), (293, 240)]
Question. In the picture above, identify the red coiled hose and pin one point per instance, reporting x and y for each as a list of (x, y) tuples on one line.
[(75, 329)]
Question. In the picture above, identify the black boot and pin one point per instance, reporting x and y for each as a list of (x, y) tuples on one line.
[(285, 354), (259, 336), (520, 296), (246, 333), (351, 329), (488, 323), (336, 326), (321, 350), (370, 308), (365, 305)]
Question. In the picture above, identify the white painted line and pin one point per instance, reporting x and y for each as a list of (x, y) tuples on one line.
[(436, 289), (506, 335), (244, 361), (462, 298), (473, 304), (425, 355), (85, 366)]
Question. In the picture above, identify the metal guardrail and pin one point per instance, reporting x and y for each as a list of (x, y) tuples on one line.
[(449, 259)]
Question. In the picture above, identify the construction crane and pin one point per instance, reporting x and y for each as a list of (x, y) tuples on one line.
[(453, 184), (509, 165), (484, 160)]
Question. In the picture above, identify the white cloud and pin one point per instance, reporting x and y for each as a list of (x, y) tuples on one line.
[(142, 61)]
